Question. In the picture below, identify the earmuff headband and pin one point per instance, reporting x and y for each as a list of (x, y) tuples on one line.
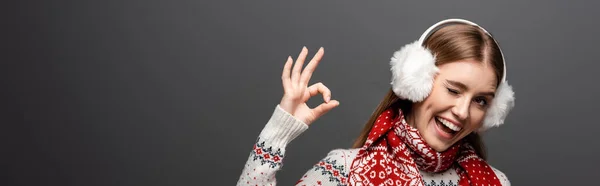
[(447, 22)]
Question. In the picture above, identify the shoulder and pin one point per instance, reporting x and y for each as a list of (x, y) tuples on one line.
[(338, 159), (343, 153), (341, 157), (330, 170), (503, 178)]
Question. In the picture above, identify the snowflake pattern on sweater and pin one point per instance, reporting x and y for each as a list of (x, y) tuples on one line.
[(267, 155), (331, 170)]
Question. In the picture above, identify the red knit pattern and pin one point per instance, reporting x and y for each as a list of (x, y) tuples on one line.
[(394, 152)]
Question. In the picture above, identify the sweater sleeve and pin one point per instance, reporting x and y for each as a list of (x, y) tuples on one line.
[(269, 150)]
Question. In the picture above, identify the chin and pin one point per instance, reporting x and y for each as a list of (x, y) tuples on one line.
[(436, 144)]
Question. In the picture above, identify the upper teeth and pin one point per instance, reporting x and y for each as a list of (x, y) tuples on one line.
[(449, 124)]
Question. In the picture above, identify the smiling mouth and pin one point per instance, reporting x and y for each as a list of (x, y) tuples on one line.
[(447, 126)]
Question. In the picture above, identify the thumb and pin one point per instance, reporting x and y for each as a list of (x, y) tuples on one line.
[(323, 108)]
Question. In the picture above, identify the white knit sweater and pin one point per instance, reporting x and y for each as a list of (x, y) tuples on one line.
[(269, 150)]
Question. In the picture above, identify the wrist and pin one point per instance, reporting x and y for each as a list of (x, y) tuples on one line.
[(282, 127)]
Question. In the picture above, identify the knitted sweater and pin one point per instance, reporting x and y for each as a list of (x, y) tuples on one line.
[(269, 150)]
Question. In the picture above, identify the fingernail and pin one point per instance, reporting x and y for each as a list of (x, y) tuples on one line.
[(327, 99)]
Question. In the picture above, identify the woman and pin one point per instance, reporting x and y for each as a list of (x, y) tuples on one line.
[(447, 87)]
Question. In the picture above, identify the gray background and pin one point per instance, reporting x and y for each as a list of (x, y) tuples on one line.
[(176, 92)]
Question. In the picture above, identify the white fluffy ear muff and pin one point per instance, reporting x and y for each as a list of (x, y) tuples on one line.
[(413, 81), (503, 102), (413, 72)]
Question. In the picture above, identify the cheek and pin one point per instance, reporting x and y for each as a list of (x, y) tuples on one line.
[(440, 99), (477, 117), (437, 102)]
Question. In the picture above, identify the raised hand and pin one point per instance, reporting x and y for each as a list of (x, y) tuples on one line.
[(297, 92)]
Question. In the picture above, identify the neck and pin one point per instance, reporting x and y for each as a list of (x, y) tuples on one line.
[(410, 119)]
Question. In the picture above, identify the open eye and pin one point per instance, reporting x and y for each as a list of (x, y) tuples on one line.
[(481, 101)]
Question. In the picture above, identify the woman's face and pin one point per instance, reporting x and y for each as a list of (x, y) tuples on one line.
[(461, 94)]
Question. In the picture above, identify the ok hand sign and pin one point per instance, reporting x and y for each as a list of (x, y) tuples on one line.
[(296, 92)]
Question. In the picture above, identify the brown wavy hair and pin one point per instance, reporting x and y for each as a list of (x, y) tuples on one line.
[(448, 44)]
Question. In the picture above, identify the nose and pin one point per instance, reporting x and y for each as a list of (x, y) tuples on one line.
[(461, 108)]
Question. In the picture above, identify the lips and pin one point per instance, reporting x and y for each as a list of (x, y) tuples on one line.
[(447, 123), (446, 128)]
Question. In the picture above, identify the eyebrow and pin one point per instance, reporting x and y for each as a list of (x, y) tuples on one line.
[(464, 87)]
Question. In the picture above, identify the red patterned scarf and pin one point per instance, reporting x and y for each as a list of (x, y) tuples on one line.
[(395, 152)]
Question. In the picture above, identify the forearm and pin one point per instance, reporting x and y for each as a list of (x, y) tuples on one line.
[(268, 152)]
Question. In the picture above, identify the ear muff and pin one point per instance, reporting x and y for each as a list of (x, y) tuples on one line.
[(413, 71)]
